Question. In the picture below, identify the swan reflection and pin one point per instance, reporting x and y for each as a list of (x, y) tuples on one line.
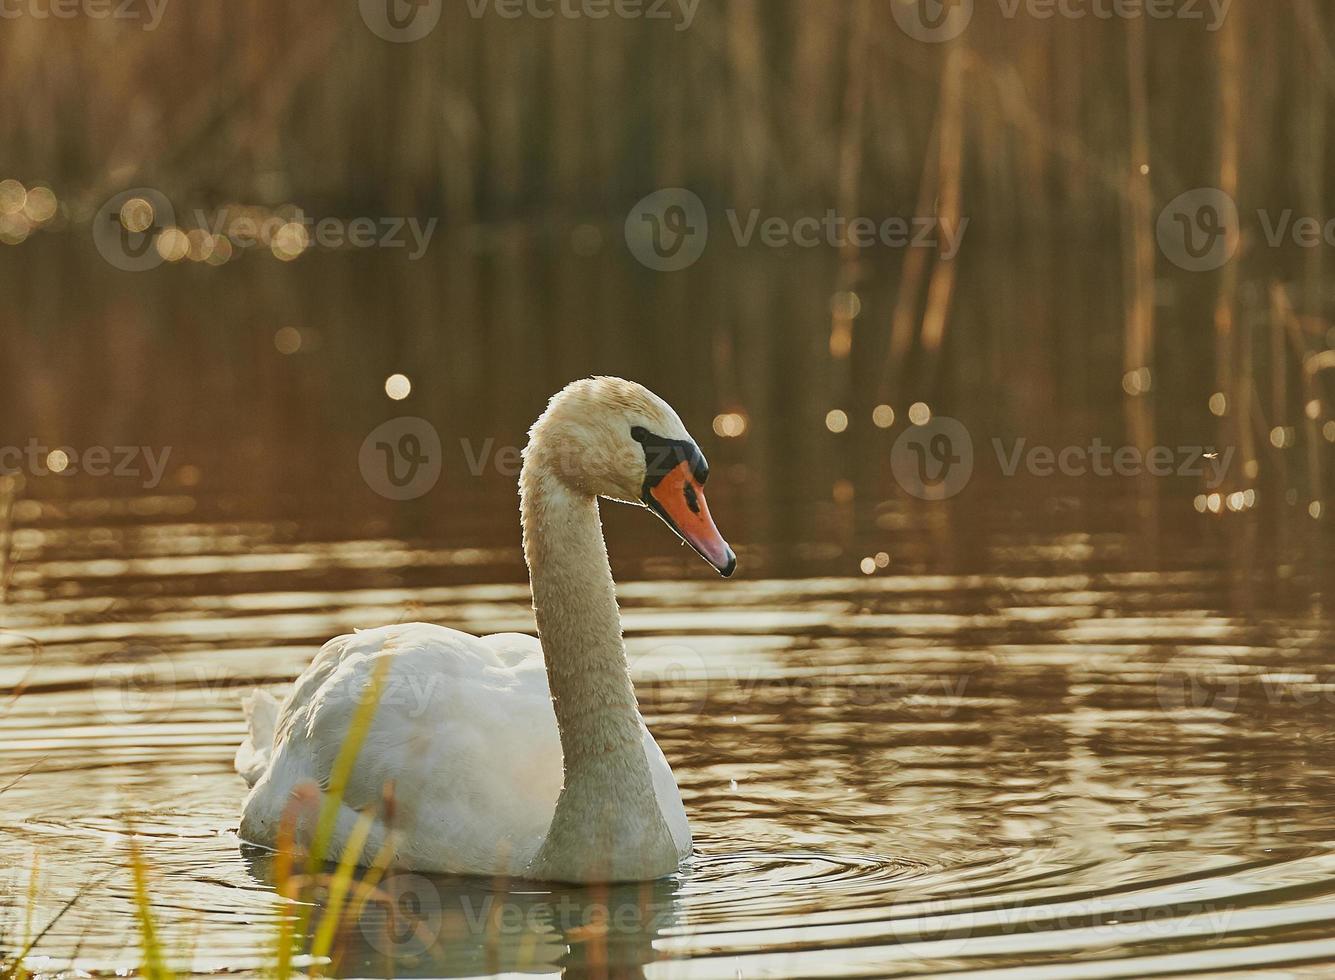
[(418, 925)]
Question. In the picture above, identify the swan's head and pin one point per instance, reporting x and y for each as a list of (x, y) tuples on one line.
[(612, 438)]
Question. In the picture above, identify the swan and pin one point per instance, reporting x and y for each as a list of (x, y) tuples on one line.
[(508, 755)]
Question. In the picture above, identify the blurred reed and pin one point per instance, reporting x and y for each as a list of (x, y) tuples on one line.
[(1051, 136), (489, 117)]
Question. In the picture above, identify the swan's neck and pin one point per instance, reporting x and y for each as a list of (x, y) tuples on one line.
[(608, 823)]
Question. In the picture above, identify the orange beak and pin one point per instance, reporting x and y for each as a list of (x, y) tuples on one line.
[(680, 501)]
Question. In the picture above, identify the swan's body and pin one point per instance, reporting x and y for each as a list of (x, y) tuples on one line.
[(502, 754), (469, 740)]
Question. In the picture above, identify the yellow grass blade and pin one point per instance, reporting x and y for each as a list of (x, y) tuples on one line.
[(338, 886), (343, 763), (155, 967)]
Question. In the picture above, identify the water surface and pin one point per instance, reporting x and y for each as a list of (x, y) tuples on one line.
[(1063, 727)]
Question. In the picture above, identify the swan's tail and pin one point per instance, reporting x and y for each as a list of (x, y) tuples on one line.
[(252, 756)]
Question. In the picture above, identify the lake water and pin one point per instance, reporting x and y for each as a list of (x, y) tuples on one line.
[(1058, 726)]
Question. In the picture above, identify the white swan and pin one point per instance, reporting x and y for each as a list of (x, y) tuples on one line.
[(509, 755)]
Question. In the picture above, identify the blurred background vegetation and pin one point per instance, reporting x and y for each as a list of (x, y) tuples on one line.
[(1058, 139)]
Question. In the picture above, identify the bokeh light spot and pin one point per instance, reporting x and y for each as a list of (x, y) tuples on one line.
[(287, 340), (13, 195), (173, 245), (730, 425), (40, 207), (290, 241), (137, 214)]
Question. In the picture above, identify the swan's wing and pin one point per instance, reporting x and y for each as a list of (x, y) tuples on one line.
[(449, 703), (668, 795), (464, 739), (253, 754), (516, 650), (463, 733)]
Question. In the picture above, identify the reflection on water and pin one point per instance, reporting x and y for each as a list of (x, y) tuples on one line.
[(423, 925), (1051, 727), (891, 773)]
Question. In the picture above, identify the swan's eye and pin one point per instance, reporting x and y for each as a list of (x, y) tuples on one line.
[(692, 499)]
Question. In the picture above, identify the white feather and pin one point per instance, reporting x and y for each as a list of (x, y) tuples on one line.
[(465, 734)]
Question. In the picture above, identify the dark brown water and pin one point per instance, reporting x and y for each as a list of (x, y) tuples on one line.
[(1053, 726)]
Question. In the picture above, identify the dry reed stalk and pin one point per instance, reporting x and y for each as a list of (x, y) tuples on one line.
[(941, 286), (850, 174), (1312, 364), (1275, 319), (903, 319), (746, 60), (815, 84), (10, 488), (1313, 83), (1231, 378), (1138, 341)]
